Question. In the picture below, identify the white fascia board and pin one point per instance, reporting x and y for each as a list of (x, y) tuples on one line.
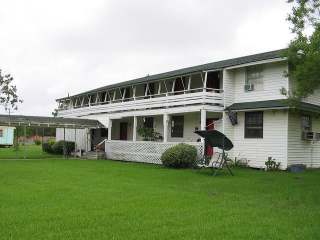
[(258, 109), (257, 63), (154, 112)]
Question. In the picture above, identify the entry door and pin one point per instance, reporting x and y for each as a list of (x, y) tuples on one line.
[(210, 126), (123, 131)]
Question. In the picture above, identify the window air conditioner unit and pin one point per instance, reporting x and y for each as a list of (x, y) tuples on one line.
[(316, 137), (248, 87), (309, 136)]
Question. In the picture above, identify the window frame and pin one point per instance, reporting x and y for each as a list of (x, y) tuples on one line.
[(308, 118), (257, 78), (253, 126), (146, 122), (177, 129)]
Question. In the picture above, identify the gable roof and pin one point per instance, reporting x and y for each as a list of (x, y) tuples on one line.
[(199, 68)]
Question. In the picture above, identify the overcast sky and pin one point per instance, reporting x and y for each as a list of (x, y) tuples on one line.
[(53, 48)]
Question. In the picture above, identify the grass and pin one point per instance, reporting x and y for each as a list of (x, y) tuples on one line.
[(25, 152), (73, 199)]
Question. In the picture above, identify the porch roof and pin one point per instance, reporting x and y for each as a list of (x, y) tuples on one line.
[(273, 104), (194, 69), (41, 121)]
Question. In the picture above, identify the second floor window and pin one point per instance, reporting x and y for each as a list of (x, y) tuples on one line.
[(306, 123), (177, 123), (254, 78)]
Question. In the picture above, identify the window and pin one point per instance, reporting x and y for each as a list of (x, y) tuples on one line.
[(103, 132), (254, 78), (148, 122), (253, 125), (306, 123), (177, 123), (1, 133)]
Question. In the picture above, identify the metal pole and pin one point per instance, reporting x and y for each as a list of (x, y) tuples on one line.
[(24, 140), (42, 138), (64, 142), (75, 140)]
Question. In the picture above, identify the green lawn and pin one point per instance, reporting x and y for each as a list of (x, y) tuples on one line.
[(25, 152), (79, 199)]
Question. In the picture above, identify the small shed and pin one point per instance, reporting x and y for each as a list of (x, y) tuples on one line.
[(6, 135)]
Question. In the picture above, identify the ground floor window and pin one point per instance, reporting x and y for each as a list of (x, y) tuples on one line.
[(148, 122), (253, 125), (177, 123), (1, 133)]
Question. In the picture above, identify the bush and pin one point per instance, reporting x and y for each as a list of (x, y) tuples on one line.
[(37, 142), (47, 147), (180, 156), (272, 165), (58, 147)]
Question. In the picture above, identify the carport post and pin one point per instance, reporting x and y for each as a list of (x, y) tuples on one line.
[(24, 140), (42, 138), (64, 142), (75, 140)]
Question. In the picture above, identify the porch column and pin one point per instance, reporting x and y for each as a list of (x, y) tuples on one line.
[(203, 119), (203, 114), (134, 134), (109, 128), (165, 127)]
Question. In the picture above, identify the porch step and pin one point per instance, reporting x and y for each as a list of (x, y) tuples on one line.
[(94, 155)]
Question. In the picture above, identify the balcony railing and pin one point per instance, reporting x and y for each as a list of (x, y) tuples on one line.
[(170, 99)]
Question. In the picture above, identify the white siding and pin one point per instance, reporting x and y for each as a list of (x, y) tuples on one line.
[(273, 80), (273, 143), (300, 151), (228, 87)]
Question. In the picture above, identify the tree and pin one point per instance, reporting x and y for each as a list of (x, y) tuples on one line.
[(304, 50), (8, 93)]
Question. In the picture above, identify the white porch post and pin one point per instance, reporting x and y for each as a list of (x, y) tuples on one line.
[(134, 134), (203, 114), (165, 127), (109, 128), (203, 119)]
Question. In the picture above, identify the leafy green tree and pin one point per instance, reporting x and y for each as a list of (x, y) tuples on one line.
[(8, 93), (304, 50)]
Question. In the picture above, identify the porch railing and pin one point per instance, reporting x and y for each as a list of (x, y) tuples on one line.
[(142, 151)]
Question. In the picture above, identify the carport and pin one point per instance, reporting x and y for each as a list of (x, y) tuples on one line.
[(49, 122)]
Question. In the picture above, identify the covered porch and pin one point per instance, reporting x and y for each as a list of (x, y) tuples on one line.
[(128, 141)]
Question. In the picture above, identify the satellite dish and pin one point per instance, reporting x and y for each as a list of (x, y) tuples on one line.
[(233, 117)]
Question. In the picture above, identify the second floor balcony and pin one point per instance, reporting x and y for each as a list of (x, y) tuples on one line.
[(195, 89)]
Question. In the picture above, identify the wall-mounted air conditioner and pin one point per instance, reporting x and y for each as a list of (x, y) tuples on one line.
[(248, 87), (310, 136)]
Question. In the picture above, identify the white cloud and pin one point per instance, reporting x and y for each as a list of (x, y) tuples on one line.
[(53, 48)]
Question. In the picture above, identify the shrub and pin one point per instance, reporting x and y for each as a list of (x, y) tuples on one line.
[(180, 156), (272, 165), (58, 147), (37, 142), (47, 147)]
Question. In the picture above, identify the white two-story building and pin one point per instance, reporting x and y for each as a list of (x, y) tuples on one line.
[(245, 98)]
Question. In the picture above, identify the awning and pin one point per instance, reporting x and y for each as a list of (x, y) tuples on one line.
[(273, 104)]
